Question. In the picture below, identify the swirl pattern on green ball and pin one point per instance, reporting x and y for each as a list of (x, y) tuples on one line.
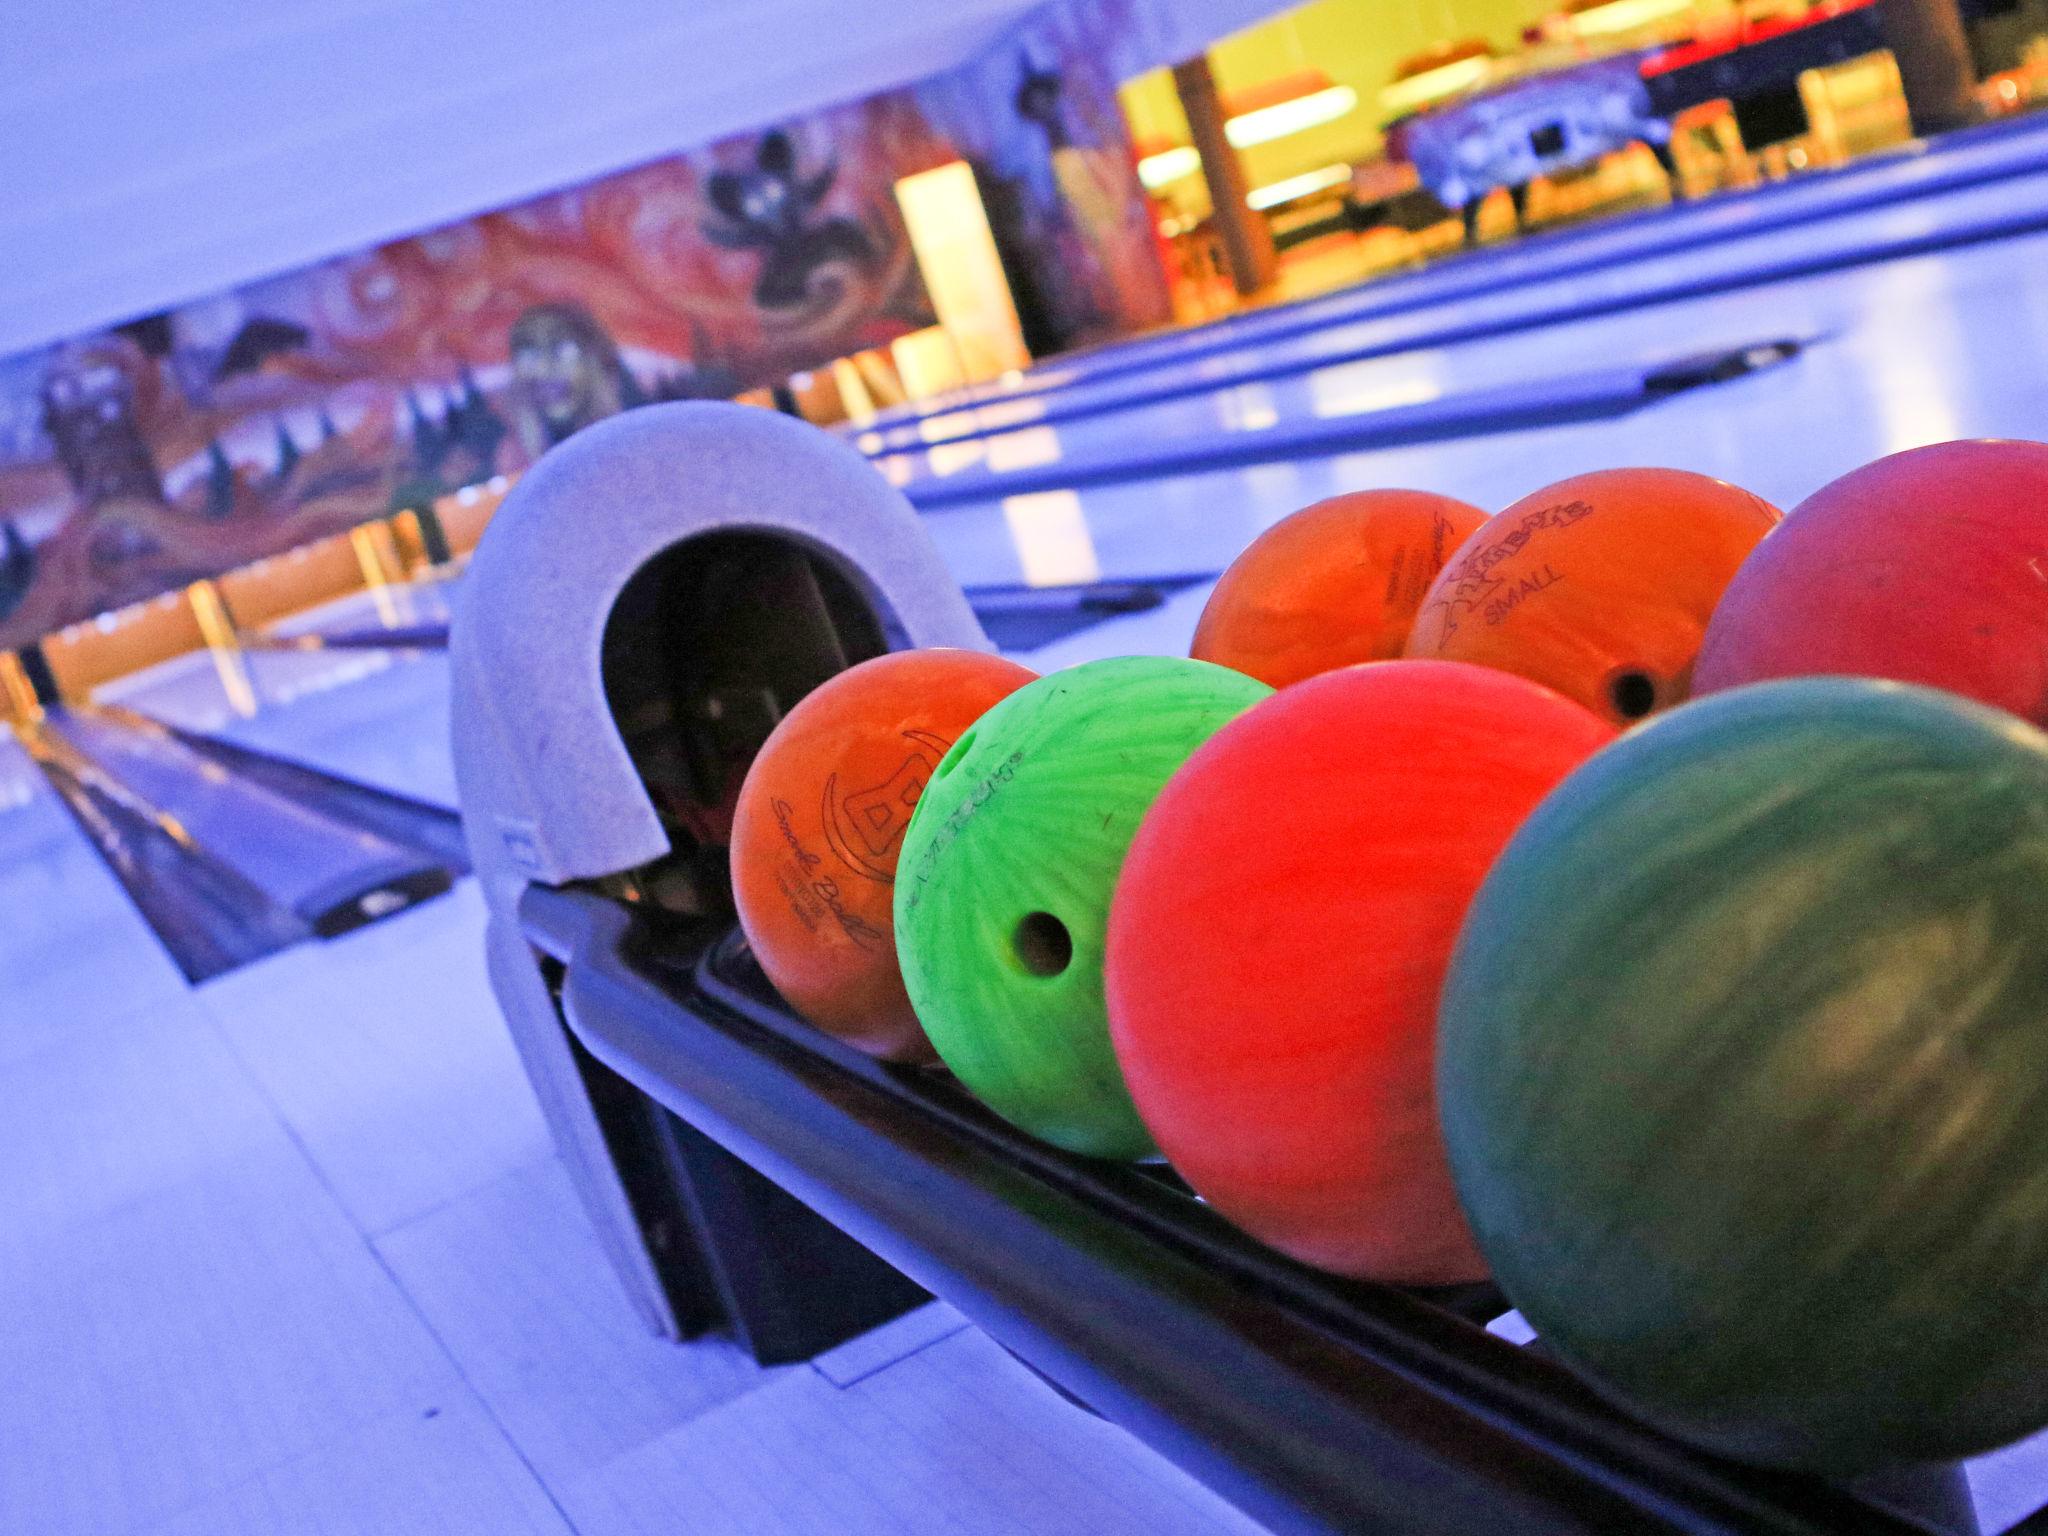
[(1003, 888), (1740, 1071)]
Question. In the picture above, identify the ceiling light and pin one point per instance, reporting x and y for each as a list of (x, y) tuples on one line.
[(1264, 124), (1625, 15), (1279, 192), (1404, 96), (1169, 165)]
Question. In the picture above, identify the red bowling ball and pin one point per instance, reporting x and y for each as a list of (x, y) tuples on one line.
[(1930, 566), (1280, 934)]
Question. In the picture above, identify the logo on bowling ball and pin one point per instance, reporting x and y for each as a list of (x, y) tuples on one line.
[(1473, 586), (1408, 578), (864, 828)]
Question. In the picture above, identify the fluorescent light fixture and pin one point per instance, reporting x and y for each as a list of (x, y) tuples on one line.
[(1286, 191), (1433, 84), (1169, 165), (1625, 15), (1265, 124)]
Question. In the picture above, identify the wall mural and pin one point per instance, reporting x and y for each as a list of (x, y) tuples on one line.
[(186, 443), (1038, 116)]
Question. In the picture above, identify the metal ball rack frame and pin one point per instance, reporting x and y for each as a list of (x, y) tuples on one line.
[(650, 598)]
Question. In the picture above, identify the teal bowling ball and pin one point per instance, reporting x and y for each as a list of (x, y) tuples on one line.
[(1743, 1073)]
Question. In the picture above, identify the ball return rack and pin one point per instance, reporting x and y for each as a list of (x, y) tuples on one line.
[(649, 600)]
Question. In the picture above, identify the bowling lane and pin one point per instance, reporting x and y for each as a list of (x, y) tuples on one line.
[(379, 717), (307, 858), (1918, 351), (1219, 354), (1821, 303), (413, 605), (1954, 334), (74, 954), (1915, 170)]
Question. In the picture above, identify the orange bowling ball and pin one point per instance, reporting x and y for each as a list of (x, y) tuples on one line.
[(1333, 584), (820, 823), (1599, 587)]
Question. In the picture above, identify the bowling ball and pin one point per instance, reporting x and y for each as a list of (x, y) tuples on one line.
[(1006, 880), (1334, 584), (1599, 586), (1929, 566), (1740, 1073), (1280, 933), (820, 822)]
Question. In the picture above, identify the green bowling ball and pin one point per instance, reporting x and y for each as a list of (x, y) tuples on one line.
[(1743, 1072), (1003, 887)]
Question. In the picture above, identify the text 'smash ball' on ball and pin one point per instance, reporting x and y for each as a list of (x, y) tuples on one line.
[(1599, 586)]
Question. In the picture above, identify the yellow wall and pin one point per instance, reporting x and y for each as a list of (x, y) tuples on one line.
[(1358, 43)]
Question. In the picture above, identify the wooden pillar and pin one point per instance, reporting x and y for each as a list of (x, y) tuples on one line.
[(1933, 52), (19, 700), (433, 536), (1247, 242), (224, 645), (42, 681)]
